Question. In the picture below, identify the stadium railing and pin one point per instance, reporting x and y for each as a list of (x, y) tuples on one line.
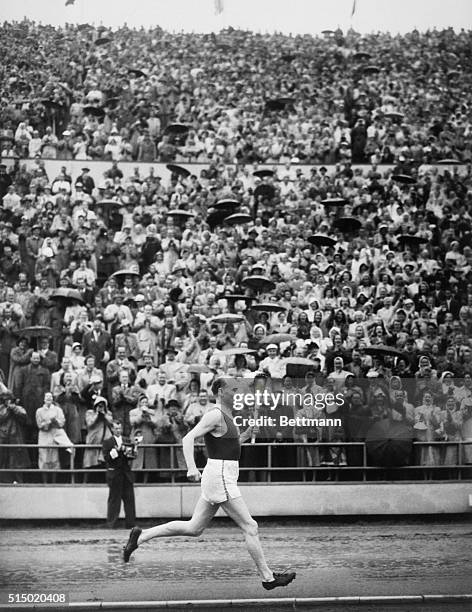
[(261, 468)]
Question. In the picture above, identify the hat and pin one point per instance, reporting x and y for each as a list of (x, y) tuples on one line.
[(99, 400), (76, 344), (272, 346), (139, 298)]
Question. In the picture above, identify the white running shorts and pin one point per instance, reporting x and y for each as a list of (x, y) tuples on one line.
[(220, 480)]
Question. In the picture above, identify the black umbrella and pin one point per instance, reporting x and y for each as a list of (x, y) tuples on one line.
[(178, 170), (258, 283), (277, 104), (175, 294), (334, 201), (297, 367), (177, 128), (52, 104), (389, 443), (238, 219), (137, 72), (371, 70), (105, 40), (263, 173), (411, 240), (226, 204), (407, 179), (67, 295), (265, 190), (347, 224), (180, 214), (321, 240), (328, 32), (382, 351), (217, 217), (362, 55), (83, 26), (235, 297), (268, 307), (94, 110)]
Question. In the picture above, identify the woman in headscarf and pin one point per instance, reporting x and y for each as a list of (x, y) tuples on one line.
[(427, 421)]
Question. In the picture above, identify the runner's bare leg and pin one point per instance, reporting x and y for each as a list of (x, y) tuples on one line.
[(201, 518), (237, 510)]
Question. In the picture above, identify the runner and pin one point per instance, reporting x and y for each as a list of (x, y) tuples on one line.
[(219, 486)]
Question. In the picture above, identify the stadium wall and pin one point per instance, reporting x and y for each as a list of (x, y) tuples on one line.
[(97, 168), (30, 502)]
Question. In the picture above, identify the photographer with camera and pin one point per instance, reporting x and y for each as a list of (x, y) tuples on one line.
[(12, 419), (143, 422), (98, 421), (118, 454)]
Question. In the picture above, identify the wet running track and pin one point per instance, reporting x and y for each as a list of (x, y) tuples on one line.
[(336, 559)]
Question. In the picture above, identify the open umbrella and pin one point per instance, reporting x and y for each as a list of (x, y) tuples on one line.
[(328, 32), (227, 317), (180, 214), (288, 57), (238, 219), (448, 162), (371, 70), (406, 179), (239, 350), (122, 274), (177, 128), (382, 351), (217, 217), (268, 307), (394, 115), (67, 295), (278, 338), (36, 331), (235, 297), (264, 190), (112, 102), (334, 201), (263, 173), (178, 170), (297, 367), (321, 240), (137, 72), (104, 40), (362, 55), (347, 224), (277, 104), (389, 443), (226, 203), (258, 283), (52, 104), (411, 240), (94, 110)]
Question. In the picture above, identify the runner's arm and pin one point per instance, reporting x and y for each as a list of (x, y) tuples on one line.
[(207, 423)]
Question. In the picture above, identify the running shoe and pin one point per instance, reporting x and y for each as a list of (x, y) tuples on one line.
[(132, 543), (280, 580)]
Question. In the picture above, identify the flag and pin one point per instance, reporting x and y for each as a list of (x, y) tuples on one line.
[(69, 2), (353, 8), (219, 6)]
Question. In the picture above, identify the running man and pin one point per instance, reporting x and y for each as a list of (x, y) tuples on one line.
[(219, 486)]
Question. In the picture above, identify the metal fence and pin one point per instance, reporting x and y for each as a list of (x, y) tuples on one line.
[(263, 462)]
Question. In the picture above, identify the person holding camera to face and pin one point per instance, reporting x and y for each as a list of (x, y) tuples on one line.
[(143, 422), (119, 454), (12, 420), (98, 420)]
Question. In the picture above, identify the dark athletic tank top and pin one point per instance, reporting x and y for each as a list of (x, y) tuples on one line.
[(226, 446)]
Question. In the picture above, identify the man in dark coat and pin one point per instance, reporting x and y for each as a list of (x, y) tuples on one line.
[(32, 382), (97, 343), (120, 478)]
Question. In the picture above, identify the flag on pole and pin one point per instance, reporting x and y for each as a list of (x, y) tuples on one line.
[(219, 6), (353, 8), (69, 2)]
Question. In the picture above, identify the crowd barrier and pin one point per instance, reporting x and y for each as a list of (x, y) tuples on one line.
[(97, 168), (272, 465)]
